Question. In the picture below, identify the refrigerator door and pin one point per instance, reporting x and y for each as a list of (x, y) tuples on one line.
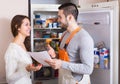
[(100, 21), (98, 25)]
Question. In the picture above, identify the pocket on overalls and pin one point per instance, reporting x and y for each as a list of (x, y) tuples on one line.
[(63, 55)]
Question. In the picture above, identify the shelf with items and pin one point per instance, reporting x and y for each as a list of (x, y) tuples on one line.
[(47, 33), (45, 19), (40, 37), (101, 56), (46, 38), (40, 45), (47, 28)]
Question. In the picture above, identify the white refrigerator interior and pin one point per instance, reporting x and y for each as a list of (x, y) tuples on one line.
[(101, 21)]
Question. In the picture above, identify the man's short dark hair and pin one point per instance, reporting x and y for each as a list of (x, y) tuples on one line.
[(69, 8)]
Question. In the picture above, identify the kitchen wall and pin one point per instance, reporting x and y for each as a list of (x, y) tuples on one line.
[(8, 8)]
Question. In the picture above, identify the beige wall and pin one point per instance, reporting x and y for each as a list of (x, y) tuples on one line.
[(8, 8)]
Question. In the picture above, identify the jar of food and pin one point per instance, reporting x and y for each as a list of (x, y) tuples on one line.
[(53, 35)]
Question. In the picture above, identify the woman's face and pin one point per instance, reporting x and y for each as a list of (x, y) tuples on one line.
[(25, 28)]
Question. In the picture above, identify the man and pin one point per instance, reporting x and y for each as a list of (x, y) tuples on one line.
[(75, 51)]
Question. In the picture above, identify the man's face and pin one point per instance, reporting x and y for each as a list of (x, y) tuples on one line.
[(62, 19)]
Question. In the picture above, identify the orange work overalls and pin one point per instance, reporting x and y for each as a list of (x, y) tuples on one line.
[(63, 55), (65, 76)]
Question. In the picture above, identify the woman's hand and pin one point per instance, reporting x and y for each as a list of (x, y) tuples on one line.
[(51, 51), (31, 67)]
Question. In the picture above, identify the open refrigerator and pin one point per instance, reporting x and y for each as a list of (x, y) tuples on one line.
[(101, 20), (44, 27)]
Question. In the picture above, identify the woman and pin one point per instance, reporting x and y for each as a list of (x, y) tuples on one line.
[(18, 62)]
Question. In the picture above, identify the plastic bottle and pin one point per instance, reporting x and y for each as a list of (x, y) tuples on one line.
[(96, 58)]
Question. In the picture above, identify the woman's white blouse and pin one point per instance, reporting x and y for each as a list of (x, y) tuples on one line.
[(16, 59)]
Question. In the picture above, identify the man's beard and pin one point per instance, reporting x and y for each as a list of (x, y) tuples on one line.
[(64, 26)]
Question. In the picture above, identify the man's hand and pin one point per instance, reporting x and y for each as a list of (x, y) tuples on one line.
[(51, 52), (54, 63)]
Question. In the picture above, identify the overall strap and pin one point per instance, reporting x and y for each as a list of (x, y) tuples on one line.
[(70, 37), (62, 38), (63, 35), (72, 34)]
